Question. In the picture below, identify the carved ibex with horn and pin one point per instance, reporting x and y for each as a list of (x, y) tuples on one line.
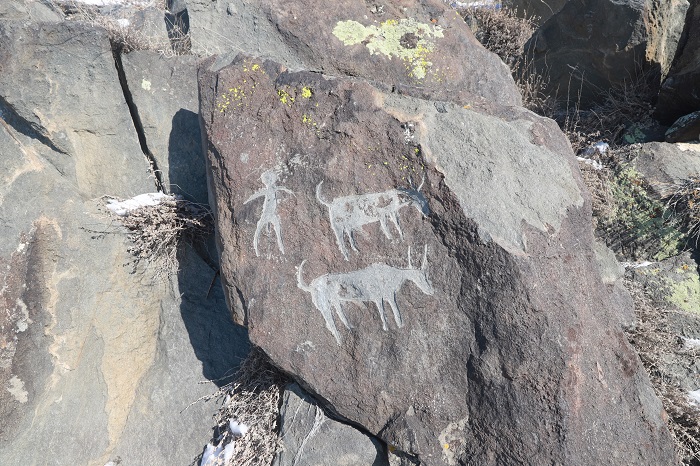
[(376, 283)]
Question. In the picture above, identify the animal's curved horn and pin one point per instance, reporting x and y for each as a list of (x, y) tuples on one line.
[(424, 265), (409, 258), (422, 181)]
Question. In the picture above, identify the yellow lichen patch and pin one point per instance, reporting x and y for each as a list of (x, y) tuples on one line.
[(285, 97), (306, 92), (406, 39), (236, 95)]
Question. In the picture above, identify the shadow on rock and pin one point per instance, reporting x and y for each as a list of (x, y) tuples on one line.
[(186, 170), (218, 343)]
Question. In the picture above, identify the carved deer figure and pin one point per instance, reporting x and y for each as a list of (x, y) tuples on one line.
[(376, 283), (350, 213)]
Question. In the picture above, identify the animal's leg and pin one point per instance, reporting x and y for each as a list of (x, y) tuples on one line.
[(327, 314), (385, 228), (339, 310), (340, 239), (382, 315), (395, 221), (395, 310)]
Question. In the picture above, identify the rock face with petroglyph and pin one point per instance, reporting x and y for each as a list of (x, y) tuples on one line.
[(425, 269)]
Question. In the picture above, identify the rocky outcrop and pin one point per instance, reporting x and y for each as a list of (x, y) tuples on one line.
[(310, 437), (421, 48), (665, 165), (685, 129), (28, 9), (591, 46), (164, 93), (97, 360), (85, 121), (679, 93), (424, 269)]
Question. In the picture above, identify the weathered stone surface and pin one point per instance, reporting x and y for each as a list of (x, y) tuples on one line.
[(29, 10), (96, 363), (592, 45), (663, 164), (540, 10), (73, 103), (164, 91), (421, 48), (468, 323), (664, 21), (685, 129), (310, 437), (679, 94)]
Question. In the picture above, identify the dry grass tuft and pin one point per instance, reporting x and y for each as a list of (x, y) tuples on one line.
[(502, 32), (655, 344), (253, 398), (623, 106), (157, 231), (123, 35)]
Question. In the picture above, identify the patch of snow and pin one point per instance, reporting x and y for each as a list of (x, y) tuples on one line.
[(228, 452), (694, 397), (496, 5), (123, 208), (599, 147), (210, 455), (238, 430), (123, 23), (593, 163), (636, 265), (690, 343)]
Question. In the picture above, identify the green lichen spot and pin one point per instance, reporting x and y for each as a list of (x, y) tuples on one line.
[(686, 293), (406, 39), (639, 221)]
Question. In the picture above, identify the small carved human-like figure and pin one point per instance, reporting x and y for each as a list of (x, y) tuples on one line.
[(269, 215)]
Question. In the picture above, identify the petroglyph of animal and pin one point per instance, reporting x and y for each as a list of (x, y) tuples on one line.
[(269, 215), (350, 213), (376, 283)]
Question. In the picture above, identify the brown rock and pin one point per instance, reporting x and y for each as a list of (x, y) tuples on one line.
[(424, 269)]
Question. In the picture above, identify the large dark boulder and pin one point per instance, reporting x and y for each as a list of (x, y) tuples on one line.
[(425, 269), (591, 46), (680, 92)]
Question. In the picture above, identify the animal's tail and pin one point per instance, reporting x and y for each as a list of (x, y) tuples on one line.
[(300, 280), (318, 195)]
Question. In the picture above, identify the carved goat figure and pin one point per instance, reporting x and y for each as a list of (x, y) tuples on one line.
[(376, 283), (350, 213)]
